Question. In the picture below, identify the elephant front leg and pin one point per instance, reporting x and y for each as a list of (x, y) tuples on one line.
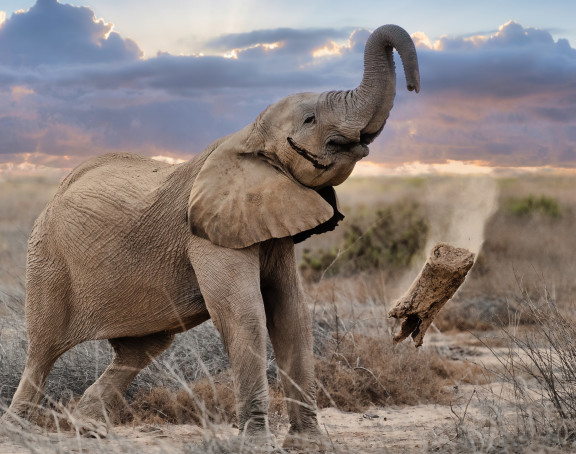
[(290, 327), (245, 342), (230, 284)]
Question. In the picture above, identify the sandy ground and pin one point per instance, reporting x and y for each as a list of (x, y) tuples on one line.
[(391, 429), (395, 430)]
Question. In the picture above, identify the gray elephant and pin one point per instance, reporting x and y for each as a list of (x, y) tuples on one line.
[(134, 251)]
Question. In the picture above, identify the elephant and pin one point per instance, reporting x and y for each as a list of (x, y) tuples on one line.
[(134, 250)]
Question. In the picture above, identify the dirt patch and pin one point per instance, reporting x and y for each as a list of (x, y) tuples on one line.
[(394, 430)]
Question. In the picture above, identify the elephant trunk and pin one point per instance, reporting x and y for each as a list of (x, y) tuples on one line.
[(368, 106)]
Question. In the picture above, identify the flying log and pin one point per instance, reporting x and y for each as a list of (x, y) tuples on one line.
[(442, 274)]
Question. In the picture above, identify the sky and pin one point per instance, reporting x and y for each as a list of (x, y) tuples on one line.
[(78, 79)]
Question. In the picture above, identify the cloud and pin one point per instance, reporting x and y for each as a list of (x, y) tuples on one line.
[(51, 33), (74, 88), (511, 63), (287, 41), (505, 98)]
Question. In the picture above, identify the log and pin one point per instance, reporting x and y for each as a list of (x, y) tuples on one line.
[(442, 274)]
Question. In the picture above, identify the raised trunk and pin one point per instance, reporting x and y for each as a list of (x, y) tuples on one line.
[(369, 105)]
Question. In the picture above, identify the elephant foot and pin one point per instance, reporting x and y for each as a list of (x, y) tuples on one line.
[(16, 423), (307, 441), (260, 443), (89, 428), (90, 421), (244, 444), (9, 422), (92, 417)]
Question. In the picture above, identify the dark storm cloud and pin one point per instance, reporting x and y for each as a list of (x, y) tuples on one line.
[(71, 88)]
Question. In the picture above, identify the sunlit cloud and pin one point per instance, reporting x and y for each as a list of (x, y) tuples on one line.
[(509, 34), (14, 170), (168, 159), (2, 17), (20, 91), (448, 167), (422, 40), (473, 168), (234, 53), (332, 49), (54, 33), (374, 169)]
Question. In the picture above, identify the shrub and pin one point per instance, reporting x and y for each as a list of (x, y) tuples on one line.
[(542, 367), (532, 205), (397, 234), (364, 371), (533, 407)]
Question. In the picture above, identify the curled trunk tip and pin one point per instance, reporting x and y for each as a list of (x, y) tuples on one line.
[(396, 37), (374, 97)]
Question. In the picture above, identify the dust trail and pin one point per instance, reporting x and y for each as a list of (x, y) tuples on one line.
[(457, 210)]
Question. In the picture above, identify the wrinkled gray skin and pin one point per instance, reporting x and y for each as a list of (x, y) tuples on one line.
[(134, 251)]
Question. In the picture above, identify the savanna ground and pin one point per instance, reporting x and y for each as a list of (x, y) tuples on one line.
[(497, 373)]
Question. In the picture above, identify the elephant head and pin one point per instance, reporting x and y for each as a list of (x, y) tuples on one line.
[(274, 178)]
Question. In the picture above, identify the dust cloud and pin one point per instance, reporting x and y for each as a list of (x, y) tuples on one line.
[(459, 210)]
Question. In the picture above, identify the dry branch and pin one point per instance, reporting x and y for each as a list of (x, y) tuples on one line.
[(442, 274)]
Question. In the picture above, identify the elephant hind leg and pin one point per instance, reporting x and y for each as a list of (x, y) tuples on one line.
[(30, 390), (132, 354), (49, 337)]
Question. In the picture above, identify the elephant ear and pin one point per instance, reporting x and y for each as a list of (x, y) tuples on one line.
[(239, 199)]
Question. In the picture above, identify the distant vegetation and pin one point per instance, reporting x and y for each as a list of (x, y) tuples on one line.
[(534, 205), (396, 235)]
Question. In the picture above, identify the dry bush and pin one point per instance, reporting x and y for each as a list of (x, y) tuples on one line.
[(541, 365), (533, 408), (194, 354), (209, 399), (354, 374), (363, 371), (394, 236)]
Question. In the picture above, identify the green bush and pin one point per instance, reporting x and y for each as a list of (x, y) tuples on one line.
[(397, 234), (531, 205)]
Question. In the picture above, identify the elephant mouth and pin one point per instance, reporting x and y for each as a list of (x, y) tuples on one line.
[(342, 145), (308, 156)]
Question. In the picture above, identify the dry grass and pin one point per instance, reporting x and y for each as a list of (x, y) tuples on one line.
[(21, 201)]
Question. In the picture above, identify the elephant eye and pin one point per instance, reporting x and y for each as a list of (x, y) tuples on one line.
[(310, 119)]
